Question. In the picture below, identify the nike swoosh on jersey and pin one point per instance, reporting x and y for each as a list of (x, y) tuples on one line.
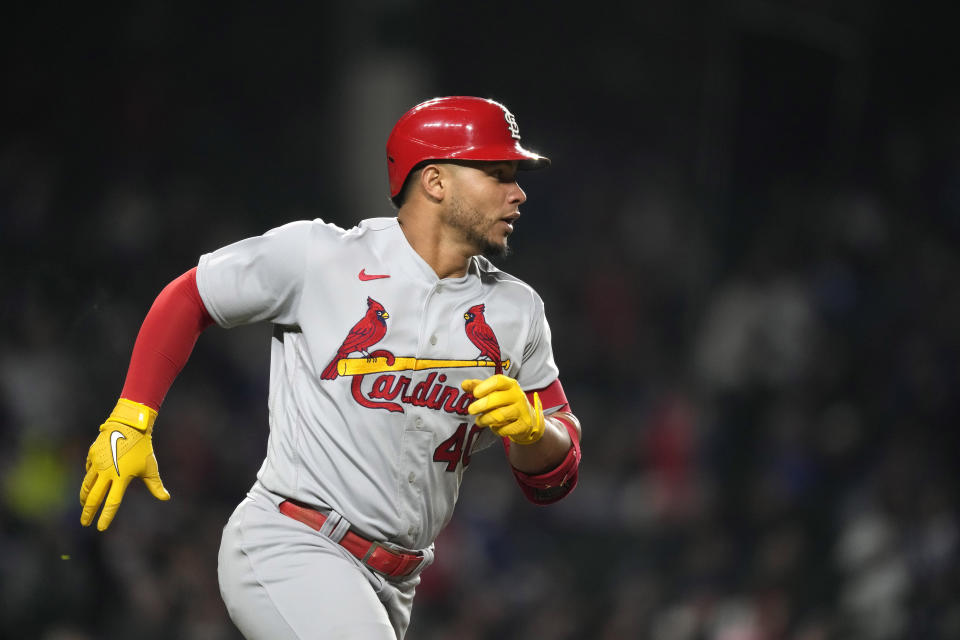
[(116, 436), (363, 275)]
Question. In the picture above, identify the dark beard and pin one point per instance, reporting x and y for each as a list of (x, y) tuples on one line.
[(496, 251), (467, 222)]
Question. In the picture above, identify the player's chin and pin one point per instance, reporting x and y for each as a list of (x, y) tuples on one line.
[(496, 248)]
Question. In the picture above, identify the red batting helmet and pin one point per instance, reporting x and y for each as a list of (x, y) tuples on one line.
[(455, 128)]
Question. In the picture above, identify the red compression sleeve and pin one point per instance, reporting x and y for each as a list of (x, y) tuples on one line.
[(171, 328), (552, 397)]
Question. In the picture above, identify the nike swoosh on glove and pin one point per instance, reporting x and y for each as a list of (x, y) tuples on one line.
[(122, 452)]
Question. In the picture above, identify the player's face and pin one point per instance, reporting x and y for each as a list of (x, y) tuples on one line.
[(484, 203)]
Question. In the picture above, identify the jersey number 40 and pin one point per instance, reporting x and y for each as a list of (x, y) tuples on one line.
[(457, 447)]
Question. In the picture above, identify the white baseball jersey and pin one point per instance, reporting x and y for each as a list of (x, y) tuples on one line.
[(367, 415)]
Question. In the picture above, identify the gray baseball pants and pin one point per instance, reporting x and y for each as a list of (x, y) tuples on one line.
[(281, 580)]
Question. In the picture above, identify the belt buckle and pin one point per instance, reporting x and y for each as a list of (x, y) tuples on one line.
[(386, 546), (373, 547), (398, 552)]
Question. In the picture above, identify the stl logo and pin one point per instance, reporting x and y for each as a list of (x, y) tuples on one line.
[(512, 124)]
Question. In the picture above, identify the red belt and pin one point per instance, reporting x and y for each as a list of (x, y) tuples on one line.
[(393, 564)]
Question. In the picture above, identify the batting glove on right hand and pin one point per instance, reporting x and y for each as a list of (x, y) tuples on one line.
[(122, 451)]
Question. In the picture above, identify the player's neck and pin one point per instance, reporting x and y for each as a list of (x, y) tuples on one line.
[(447, 259)]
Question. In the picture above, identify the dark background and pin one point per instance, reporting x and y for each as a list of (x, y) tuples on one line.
[(747, 246)]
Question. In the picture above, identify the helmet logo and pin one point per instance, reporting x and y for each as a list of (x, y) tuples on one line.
[(512, 124)]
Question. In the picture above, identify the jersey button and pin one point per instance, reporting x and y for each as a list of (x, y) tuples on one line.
[(412, 477), (433, 339)]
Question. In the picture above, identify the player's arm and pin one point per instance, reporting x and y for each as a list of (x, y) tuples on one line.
[(124, 448), (549, 451), (543, 450)]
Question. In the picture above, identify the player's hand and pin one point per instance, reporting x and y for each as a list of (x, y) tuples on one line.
[(503, 406), (122, 451)]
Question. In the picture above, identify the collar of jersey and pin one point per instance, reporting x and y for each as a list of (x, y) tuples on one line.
[(411, 263)]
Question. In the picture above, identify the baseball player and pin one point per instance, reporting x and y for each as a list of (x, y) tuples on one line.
[(398, 352)]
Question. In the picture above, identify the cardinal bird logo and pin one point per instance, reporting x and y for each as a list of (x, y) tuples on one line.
[(482, 336), (367, 332)]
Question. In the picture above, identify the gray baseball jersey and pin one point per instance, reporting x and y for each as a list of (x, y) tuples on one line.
[(367, 416)]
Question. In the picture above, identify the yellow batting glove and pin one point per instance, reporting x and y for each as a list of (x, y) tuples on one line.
[(122, 451), (503, 406)]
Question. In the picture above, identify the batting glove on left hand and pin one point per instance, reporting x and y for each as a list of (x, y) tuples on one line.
[(503, 406), (122, 451)]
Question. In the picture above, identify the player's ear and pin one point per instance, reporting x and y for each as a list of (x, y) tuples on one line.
[(433, 180)]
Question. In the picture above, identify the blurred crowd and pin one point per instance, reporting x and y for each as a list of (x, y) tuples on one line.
[(764, 374)]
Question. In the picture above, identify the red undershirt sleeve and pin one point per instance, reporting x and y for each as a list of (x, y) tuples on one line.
[(166, 339)]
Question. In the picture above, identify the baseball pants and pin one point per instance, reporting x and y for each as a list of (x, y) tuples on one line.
[(281, 580)]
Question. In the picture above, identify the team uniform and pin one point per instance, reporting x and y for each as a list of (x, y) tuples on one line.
[(374, 360), (375, 449)]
